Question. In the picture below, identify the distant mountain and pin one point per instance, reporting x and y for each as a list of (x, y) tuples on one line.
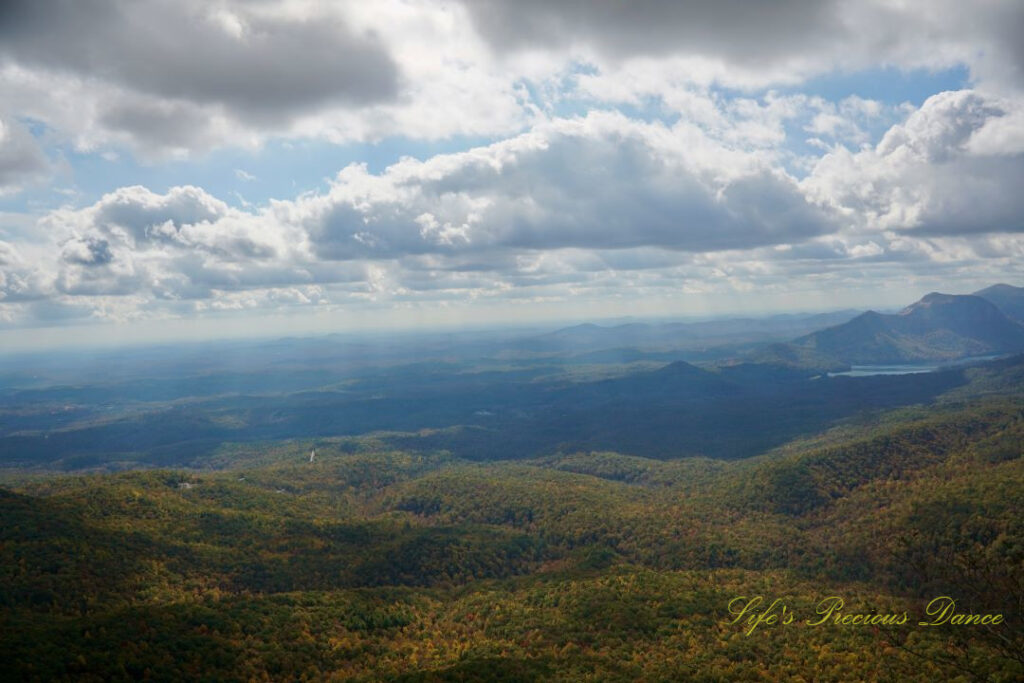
[(939, 327), (637, 336), (671, 384), (1009, 299)]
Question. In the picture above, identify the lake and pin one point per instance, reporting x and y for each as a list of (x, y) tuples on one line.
[(868, 370), (907, 368)]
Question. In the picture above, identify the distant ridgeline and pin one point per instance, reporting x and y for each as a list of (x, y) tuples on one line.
[(520, 398)]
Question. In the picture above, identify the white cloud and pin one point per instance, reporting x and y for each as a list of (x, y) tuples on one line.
[(602, 181), (592, 206), (936, 173)]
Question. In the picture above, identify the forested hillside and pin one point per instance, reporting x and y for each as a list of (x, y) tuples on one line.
[(373, 564)]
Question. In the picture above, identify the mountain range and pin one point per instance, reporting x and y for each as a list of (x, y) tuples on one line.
[(938, 327)]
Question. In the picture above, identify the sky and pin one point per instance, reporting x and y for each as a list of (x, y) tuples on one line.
[(186, 169)]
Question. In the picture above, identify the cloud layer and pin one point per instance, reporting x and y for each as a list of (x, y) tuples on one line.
[(662, 150)]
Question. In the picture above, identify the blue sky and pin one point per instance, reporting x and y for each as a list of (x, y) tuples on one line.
[(349, 165)]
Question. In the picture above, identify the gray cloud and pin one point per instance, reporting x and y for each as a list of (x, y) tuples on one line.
[(771, 41), (734, 29), (181, 125), (21, 159), (259, 67)]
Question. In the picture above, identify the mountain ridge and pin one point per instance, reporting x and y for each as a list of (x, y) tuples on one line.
[(1009, 299), (937, 327)]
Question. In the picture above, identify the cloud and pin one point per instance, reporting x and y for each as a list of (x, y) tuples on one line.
[(169, 78), (87, 251), (746, 44), (741, 31), (183, 244), (140, 214), (176, 78), (600, 182), (21, 159), (19, 280), (484, 222), (601, 207), (937, 173), (180, 78), (257, 64), (167, 125)]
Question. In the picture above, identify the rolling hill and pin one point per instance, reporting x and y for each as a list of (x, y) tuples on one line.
[(372, 565)]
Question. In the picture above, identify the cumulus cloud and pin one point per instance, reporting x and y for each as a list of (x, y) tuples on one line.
[(87, 251), (160, 124), (937, 173), (137, 214), (600, 182), (458, 222), (584, 206), (175, 245)]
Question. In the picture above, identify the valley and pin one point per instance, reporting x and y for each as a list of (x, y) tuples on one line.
[(474, 513)]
